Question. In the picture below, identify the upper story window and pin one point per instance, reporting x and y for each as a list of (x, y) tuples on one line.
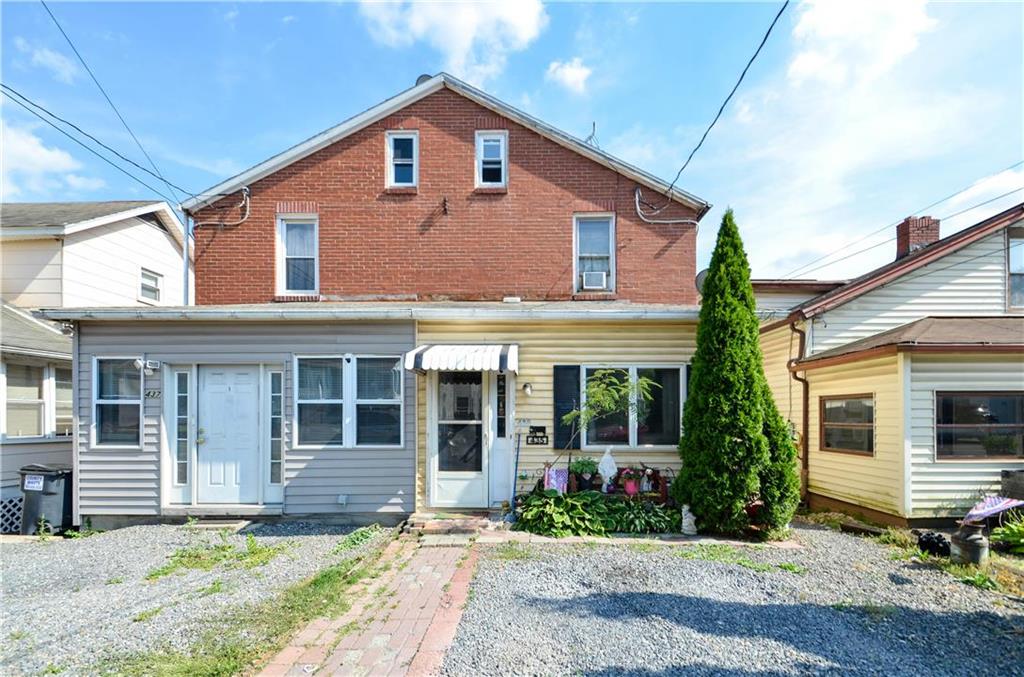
[(35, 401), (298, 267), (492, 159), (403, 159), (1015, 255), (979, 425), (149, 285), (848, 424), (595, 252)]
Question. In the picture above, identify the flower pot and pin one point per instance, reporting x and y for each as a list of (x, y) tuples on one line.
[(632, 487)]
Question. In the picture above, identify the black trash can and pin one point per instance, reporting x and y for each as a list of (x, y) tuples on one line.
[(47, 491)]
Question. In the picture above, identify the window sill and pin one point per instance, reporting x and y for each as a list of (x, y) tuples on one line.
[(980, 459), (401, 190), (848, 452), (358, 447), (490, 190), (115, 447), (595, 296), (296, 298), (42, 439)]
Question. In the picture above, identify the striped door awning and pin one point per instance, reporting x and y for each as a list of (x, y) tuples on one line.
[(455, 357)]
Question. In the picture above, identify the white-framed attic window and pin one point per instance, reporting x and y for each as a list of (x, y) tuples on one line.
[(403, 159), (150, 286), (492, 159)]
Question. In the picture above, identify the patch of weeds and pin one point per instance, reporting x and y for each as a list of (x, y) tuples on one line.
[(906, 554), (257, 554), (901, 538), (144, 616), (968, 574), (52, 669), (43, 529), (84, 531), (792, 568), (211, 589), (356, 538), (17, 635), (721, 552), (832, 520), (643, 547), (116, 580), (512, 551), (205, 557)]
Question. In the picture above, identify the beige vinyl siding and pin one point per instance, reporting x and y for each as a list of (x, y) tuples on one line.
[(30, 273), (127, 482), (542, 345), (18, 454), (941, 488), (971, 281), (873, 482), (778, 347), (101, 265)]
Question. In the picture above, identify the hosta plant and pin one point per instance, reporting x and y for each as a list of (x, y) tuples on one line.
[(1011, 533), (549, 513)]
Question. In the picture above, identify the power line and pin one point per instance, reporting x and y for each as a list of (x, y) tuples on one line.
[(89, 148), (726, 102), (90, 136), (107, 97), (893, 225)]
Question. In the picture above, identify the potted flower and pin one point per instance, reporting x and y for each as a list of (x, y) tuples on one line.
[(584, 469), (631, 478)]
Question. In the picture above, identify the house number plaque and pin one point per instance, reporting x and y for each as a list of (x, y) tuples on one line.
[(538, 435), (152, 394)]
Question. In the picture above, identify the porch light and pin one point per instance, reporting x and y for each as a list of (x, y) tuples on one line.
[(528, 389)]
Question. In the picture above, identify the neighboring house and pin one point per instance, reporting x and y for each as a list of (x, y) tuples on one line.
[(35, 401), (387, 311), (71, 254), (775, 298), (906, 384)]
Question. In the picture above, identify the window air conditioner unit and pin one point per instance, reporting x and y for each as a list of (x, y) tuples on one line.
[(595, 280)]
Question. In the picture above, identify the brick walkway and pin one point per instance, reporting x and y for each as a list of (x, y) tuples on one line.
[(401, 623)]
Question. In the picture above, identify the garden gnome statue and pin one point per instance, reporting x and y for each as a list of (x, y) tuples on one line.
[(607, 468), (689, 523)]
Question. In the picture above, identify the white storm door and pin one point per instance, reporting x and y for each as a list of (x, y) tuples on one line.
[(501, 459), (460, 459), (227, 438)]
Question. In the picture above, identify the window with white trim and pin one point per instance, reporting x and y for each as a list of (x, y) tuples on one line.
[(349, 402), (63, 402), (181, 419), (652, 423), (1015, 265), (595, 252), (149, 285), (117, 413), (276, 427), (298, 266), (35, 401), (492, 159), (403, 159)]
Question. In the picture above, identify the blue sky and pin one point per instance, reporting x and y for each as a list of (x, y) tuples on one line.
[(855, 115)]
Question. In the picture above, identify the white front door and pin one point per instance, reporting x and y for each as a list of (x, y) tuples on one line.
[(458, 460), (227, 440), (502, 454)]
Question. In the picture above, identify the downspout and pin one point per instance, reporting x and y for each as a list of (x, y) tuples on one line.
[(184, 255), (805, 414)]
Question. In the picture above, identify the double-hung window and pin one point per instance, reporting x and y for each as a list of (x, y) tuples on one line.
[(298, 267), (653, 422), (492, 159), (35, 401), (349, 401), (1015, 263), (979, 425), (149, 286), (847, 424), (595, 252), (403, 159), (117, 415), (63, 402)]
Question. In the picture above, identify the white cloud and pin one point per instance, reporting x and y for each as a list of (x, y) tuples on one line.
[(993, 187), (231, 15), (475, 38), (30, 167), (61, 67), (570, 74), (287, 19)]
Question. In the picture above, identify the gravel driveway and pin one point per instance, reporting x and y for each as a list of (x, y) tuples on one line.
[(616, 610), (68, 604)]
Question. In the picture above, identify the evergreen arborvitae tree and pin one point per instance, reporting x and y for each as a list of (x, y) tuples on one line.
[(724, 447), (780, 483)]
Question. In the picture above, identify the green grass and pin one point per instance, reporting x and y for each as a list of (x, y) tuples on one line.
[(512, 551), (243, 638), (721, 552), (211, 589), (206, 557), (147, 614), (116, 580), (357, 538), (643, 547), (792, 568), (901, 538)]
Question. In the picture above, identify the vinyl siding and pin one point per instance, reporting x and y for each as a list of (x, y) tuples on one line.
[(127, 482), (542, 345), (30, 273), (780, 300), (873, 482), (971, 281), (941, 488), (778, 347), (101, 265), (18, 454)]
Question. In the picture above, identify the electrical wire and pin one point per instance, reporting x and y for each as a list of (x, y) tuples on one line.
[(90, 149), (109, 100)]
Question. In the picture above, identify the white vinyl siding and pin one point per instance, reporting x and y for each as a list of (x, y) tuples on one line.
[(150, 286), (948, 487), (30, 273), (971, 281)]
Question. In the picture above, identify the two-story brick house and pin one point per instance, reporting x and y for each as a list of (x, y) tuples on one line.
[(384, 312)]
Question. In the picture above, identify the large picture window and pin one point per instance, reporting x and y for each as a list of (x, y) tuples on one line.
[(979, 425), (118, 403), (847, 424), (346, 403), (655, 423)]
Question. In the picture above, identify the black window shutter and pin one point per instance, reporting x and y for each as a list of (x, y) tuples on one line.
[(567, 396)]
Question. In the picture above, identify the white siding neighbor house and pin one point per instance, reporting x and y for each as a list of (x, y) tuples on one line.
[(906, 385)]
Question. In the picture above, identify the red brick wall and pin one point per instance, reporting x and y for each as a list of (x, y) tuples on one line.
[(915, 232), (400, 246)]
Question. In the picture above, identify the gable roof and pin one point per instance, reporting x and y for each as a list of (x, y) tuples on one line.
[(425, 88), (34, 220), (909, 263), (24, 334)]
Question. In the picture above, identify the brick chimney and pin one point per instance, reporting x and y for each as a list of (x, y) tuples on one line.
[(915, 232)]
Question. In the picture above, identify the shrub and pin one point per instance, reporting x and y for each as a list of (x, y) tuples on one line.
[(583, 465), (549, 513), (779, 481), (1011, 534)]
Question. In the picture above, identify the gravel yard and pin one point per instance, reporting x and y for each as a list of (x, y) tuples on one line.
[(69, 604), (840, 605)]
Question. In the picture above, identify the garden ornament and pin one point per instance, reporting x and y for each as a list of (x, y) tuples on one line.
[(689, 523), (607, 466)]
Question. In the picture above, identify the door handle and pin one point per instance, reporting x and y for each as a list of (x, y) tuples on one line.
[(200, 440)]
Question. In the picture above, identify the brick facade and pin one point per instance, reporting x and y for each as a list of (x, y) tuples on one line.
[(444, 240)]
